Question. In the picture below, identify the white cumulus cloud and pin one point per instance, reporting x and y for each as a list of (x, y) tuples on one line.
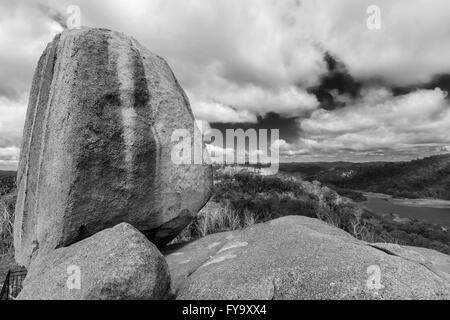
[(418, 119)]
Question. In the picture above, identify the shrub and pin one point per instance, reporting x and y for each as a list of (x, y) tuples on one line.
[(6, 223)]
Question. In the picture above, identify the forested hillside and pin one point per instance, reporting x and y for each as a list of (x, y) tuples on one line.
[(424, 178), (7, 182)]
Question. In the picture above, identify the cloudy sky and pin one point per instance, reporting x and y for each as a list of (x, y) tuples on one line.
[(336, 89)]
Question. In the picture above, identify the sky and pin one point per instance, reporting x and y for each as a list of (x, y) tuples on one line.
[(336, 89)]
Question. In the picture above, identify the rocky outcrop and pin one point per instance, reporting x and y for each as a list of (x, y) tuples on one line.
[(97, 146), (117, 263), (298, 258), (435, 261)]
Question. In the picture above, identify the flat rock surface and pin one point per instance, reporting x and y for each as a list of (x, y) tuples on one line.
[(117, 263), (435, 261), (296, 258)]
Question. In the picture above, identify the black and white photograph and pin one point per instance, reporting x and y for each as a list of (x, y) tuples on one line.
[(237, 151)]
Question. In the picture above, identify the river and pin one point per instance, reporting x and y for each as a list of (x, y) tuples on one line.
[(434, 211)]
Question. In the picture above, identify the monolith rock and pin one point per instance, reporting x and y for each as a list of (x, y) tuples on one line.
[(98, 142)]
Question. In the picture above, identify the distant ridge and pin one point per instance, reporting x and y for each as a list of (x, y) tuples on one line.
[(4, 174), (423, 178)]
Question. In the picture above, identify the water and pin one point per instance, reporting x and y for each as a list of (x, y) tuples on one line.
[(434, 211)]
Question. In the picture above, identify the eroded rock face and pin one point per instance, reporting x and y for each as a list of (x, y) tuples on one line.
[(117, 263), (97, 146), (300, 258)]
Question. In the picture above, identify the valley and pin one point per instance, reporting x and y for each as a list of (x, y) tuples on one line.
[(433, 211)]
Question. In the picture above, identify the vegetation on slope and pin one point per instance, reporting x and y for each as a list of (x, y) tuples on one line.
[(7, 203), (7, 182), (243, 198), (424, 178)]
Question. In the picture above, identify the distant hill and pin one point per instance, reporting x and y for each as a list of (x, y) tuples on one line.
[(4, 174), (423, 178)]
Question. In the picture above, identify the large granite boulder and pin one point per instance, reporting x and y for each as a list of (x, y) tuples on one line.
[(299, 258), (97, 145), (117, 263)]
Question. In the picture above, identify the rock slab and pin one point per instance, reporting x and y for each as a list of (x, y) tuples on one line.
[(97, 146), (117, 263), (297, 257)]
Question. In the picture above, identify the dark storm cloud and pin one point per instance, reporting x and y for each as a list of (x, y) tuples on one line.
[(53, 14), (336, 86), (288, 127), (441, 81)]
